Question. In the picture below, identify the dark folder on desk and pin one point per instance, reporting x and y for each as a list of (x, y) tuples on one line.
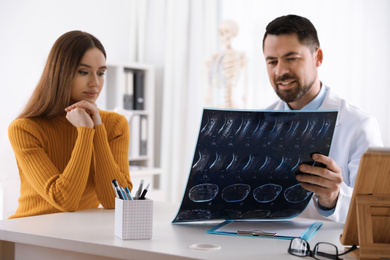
[(245, 163)]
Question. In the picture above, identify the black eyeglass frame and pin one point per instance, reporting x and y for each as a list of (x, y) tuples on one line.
[(310, 253)]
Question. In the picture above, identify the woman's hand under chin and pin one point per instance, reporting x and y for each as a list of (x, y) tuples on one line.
[(83, 113)]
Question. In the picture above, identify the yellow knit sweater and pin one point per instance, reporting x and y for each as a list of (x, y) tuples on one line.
[(64, 168)]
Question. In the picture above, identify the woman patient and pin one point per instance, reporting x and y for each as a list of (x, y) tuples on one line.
[(67, 150)]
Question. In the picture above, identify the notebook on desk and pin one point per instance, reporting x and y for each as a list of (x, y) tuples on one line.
[(245, 163)]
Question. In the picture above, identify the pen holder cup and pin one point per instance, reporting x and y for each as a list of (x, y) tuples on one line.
[(133, 219)]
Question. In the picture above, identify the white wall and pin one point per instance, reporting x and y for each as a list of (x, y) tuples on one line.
[(28, 29)]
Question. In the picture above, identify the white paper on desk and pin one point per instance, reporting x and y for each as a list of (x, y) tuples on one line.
[(281, 228)]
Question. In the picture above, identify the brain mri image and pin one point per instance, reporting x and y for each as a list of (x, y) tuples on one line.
[(245, 163)]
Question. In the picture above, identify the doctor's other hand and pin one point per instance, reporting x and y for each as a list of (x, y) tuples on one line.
[(90, 109), (324, 182)]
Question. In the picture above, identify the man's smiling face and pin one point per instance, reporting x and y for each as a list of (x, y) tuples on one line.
[(292, 69)]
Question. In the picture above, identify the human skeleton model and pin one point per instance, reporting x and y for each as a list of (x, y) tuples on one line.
[(224, 69)]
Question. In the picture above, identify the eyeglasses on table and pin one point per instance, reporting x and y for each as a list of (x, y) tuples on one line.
[(322, 250)]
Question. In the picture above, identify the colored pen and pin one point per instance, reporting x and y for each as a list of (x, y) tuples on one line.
[(116, 194), (138, 193), (123, 193), (128, 193), (118, 191), (144, 192)]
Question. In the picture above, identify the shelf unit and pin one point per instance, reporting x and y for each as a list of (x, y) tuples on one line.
[(112, 98)]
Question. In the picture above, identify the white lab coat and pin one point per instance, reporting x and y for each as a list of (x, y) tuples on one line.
[(355, 132)]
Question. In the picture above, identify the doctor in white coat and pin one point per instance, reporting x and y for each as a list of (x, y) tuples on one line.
[(293, 55)]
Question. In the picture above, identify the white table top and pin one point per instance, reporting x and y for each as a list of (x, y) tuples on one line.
[(92, 232)]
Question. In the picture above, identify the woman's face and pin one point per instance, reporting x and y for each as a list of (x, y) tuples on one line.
[(89, 78)]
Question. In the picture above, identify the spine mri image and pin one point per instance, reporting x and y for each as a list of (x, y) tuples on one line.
[(245, 163)]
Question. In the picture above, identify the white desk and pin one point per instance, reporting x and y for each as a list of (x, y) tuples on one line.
[(89, 234)]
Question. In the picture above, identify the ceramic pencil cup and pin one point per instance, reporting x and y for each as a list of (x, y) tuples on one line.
[(133, 219)]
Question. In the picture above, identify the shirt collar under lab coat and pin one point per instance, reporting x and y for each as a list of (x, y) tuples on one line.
[(315, 104), (332, 102)]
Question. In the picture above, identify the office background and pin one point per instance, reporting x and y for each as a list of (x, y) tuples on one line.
[(177, 37)]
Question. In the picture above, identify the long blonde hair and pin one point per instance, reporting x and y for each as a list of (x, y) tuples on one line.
[(52, 94)]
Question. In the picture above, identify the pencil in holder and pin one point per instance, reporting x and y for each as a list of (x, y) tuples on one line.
[(133, 219)]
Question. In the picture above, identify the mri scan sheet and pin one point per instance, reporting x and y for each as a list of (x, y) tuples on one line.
[(245, 163)]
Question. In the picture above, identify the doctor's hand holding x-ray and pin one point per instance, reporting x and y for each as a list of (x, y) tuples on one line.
[(324, 182)]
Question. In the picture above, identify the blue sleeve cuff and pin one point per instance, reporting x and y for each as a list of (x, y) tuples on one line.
[(325, 211)]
